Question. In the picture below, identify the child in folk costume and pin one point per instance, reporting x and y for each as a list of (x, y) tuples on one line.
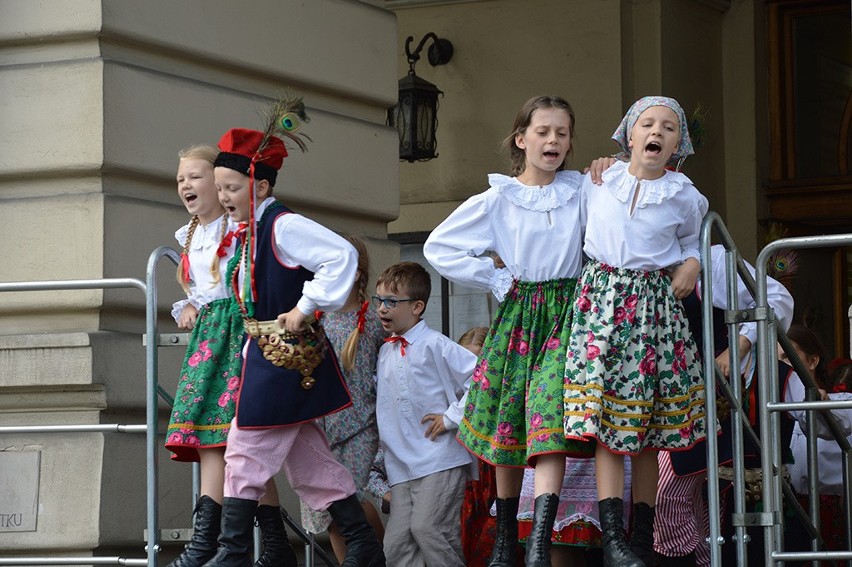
[(356, 335), (287, 267), (532, 221), (422, 379), (829, 455), (633, 378), (204, 403)]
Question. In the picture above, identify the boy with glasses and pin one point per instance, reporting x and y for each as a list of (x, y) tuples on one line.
[(423, 377)]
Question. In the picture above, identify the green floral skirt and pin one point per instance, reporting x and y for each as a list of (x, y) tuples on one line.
[(210, 378), (514, 410), (633, 377)]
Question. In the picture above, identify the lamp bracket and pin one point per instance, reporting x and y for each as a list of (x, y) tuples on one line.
[(439, 53)]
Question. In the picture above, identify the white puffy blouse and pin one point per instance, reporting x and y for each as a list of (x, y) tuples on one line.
[(203, 248), (661, 231), (536, 231)]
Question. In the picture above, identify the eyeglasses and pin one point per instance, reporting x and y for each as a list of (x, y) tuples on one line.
[(388, 302)]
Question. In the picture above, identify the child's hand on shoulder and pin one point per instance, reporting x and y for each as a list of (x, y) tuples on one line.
[(597, 167), (436, 425), (685, 277), (187, 318)]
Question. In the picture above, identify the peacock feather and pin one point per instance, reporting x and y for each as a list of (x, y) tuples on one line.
[(783, 264), (697, 126), (284, 118)]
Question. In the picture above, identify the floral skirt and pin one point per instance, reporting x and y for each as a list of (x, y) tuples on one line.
[(204, 403), (633, 377), (514, 406)]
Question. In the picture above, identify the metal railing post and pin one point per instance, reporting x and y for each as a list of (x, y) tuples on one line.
[(151, 357)]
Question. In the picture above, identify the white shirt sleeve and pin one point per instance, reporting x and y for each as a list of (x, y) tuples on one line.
[(795, 392), (181, 235), (460, 364), (300, 241), (689, 231), (456, 247), (778, 298)]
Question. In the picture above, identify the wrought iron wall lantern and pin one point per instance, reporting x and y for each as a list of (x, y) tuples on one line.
[(416, 114)]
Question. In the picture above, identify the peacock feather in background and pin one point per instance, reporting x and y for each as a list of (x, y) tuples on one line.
[(783, 264), (697, 125)]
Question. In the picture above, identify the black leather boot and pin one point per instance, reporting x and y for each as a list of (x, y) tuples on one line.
[(505, 549), (205, 531), (616, 552), (642, 538), (538, 544), (277, 551), (362, 546), (235, 541)]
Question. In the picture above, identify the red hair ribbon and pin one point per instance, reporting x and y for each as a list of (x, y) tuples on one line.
[(362, 319), (184, 266)]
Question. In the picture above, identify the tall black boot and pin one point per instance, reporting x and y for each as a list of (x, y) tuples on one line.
[(205, 531), (505, 548), (362, 546), (538, 544), (235, 541), (277, 551), (616, 553), (642, 538)]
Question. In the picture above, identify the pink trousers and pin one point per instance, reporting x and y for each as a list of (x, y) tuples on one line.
[(253, 456)]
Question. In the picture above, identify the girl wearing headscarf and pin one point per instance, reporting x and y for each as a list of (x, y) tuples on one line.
[(633, 377)]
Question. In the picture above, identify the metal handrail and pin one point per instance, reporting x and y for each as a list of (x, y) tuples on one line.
[(152, 389), (767, 378), (66, 285), (769, 413)]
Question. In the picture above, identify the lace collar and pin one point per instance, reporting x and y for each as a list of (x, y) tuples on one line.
[(621, 183), (540, 199)]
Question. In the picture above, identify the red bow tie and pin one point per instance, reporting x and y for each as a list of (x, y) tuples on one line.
[(398, 339), (229, 238)]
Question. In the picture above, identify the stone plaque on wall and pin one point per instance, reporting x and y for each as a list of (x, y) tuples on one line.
[(19, 477)]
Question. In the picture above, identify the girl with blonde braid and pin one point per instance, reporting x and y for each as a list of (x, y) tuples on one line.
[(356, 334), (204, 403)]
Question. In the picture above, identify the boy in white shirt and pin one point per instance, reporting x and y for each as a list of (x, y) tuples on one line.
[(422, 378)]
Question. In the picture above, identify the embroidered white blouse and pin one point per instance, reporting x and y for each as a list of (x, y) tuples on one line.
[(662, 230), (299, 241), (202, 250), (432, 377), (536, 231)]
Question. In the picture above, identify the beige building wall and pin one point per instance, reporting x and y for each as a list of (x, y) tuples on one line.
[(601, 56), (98, 96)]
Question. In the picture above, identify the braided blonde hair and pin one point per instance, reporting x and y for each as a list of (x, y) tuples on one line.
[(347, 355), (208, 154)]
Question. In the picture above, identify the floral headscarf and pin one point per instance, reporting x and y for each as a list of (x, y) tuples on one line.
[(622, 133)]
